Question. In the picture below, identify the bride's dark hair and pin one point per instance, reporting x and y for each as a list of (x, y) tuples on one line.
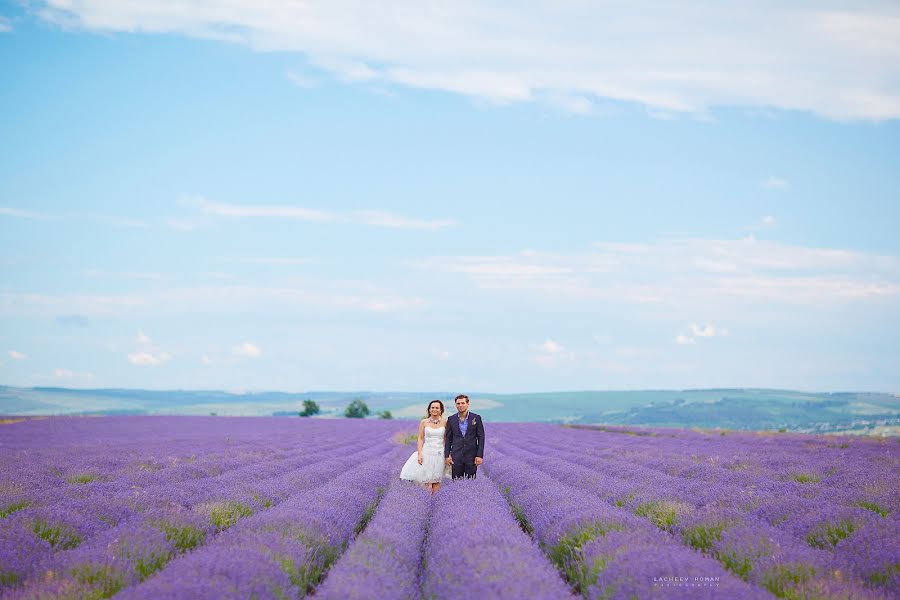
[(428, 410)]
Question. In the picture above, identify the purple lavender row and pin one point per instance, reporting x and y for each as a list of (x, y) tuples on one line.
[(779, 464), (21, 551), (699, 513), (703, 527), (282, 552), (784, 461), (135, 547), (95, 480), (476, 547), (177, 509), (780, 503), (385, 560), (565, 521)]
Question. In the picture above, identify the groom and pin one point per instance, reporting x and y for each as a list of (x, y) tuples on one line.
[(464, 440)]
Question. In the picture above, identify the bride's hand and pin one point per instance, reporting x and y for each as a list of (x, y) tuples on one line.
[(420, 458)]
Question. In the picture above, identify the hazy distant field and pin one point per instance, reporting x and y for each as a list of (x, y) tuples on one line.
[(726, 408), (143, 508)]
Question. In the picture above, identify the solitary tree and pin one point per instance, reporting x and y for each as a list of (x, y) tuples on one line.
[(310, 408), (386, 414), (357, 410)]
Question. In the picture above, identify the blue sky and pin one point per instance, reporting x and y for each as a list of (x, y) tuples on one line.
[(449, 197)]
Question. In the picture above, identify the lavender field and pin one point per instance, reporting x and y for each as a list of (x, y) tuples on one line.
[(212, 507)]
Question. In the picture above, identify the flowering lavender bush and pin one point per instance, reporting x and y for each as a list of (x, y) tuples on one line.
[(200, 507), (386, 560), (475, 544)]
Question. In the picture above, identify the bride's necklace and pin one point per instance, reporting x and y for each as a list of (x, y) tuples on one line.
[(438, 422)]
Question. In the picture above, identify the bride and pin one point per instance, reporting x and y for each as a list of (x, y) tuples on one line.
[(426, 465)]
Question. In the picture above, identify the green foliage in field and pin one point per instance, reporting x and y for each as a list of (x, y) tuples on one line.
[(82, 478), (9, 509), (875, 508), (662, 513), (566, 554), (805, 478), (225, 513), (59, 536), (703, 537), (784, 580), (183, 537), (827, 535), (742, 560), (308, 574), (884, 575), (99, 581)]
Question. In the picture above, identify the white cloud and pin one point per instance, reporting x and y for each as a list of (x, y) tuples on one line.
[(206, 360), (275, 261), (372, 218), (320, 295), (106, 219), (23, 214), (683, 340), (773, 182), (148, 359), (181, 224), (97, 273), (143, 338), (5, 25), (707, 331), (686, 271), (63, 373), (551, 346), (301, 79), (247, 349), (383, 219), (769, 221), (17, 355), (836, 62), (287, 212)]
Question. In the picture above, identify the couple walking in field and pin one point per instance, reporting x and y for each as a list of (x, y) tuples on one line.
[(446, 447)]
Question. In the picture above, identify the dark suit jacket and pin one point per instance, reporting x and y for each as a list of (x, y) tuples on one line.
[(464, 449)]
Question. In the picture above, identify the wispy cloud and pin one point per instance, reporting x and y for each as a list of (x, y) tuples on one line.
[(285, 212), (5, 25), (148, 359), (318, 295), (116, 221), (836, 62), (16, 355), (75, 320), (774, 183), (274, 260), (97, 273), (683, 271), (301, 79), (247, 349), (551, 346), (373, 218), (707, 331), (24, 214), (392, 221)]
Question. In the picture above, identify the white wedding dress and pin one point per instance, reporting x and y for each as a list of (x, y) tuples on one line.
[(433, 468)]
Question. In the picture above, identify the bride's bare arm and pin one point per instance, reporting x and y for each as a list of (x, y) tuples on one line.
[(421, 441)]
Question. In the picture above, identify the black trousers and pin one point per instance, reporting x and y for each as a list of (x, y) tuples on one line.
[(458, 471)]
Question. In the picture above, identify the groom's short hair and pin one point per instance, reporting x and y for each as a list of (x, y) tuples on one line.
[(466, 398)]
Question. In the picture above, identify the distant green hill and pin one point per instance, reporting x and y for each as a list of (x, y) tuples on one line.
[(751, 409)]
